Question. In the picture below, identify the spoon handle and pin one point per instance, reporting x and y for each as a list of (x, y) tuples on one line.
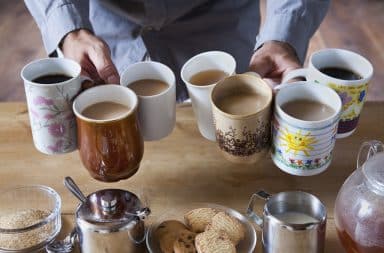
[(72, 187), (65, 246)]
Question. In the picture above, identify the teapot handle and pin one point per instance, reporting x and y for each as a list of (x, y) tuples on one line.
[(367, 150)]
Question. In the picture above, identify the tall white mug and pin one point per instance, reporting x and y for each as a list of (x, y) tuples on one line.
[(157, 113), (201, 95), (52, 121)]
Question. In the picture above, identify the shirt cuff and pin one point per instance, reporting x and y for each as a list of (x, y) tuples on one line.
[(60, 21), (287, 28)]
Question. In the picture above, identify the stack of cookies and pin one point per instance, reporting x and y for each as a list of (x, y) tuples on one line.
[(206, 230)]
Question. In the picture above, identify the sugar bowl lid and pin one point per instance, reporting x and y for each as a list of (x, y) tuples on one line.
[(107, 208), (111, 205)]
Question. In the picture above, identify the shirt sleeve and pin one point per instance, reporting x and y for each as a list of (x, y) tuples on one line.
[(292, 21), (56, 18)]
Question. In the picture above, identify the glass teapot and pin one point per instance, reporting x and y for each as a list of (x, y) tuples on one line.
[(359, 209)]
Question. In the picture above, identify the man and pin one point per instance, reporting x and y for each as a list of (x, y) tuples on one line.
[(106, 36)]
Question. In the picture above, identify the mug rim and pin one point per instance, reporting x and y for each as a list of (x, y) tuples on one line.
[(193, 58), (294, 226), (311, 123), (260, 81), (38, 61), (99, 121), (170, 85), (338, 80)]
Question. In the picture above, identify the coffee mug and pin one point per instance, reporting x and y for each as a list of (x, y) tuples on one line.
[(200, 94), (292, 222), (348, 74), (241, 107), (111, 149), (52, 121), (302, 146), (157, 111)]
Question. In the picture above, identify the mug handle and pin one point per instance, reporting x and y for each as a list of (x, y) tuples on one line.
[(250, 213), (86, 83), (367, 150), (295, 74)]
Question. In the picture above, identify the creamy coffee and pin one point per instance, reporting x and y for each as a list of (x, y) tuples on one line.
[(148, 87), (308, 110), (105, 111), (242, 103), (296, 218), (208, 77)]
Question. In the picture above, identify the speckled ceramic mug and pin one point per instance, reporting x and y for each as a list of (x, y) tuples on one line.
[(243, 138), (52, 121)]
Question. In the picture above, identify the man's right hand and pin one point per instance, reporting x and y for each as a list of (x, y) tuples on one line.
[(92, 54)]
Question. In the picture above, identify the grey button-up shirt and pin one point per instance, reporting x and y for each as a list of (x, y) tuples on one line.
[(172, 31)]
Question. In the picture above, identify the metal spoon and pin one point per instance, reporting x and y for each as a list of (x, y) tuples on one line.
[(65, 246), (72, 187)]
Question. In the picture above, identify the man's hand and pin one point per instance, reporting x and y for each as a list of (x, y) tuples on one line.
[(274, 60), (92, 54)]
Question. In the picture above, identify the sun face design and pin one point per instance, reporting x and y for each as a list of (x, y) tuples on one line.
[(297, 142)]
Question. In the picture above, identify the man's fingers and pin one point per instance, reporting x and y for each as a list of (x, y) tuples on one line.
[(261, 65), (101, 59)]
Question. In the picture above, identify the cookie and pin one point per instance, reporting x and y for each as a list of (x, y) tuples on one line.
[(167, 232), (229, 225), (198, 219), (214, 242), (185, 242), (168, 226)]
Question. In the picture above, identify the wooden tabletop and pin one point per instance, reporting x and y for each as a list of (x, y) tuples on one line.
[(180, 169)]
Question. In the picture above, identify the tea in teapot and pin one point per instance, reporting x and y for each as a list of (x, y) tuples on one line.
[(359, 210)]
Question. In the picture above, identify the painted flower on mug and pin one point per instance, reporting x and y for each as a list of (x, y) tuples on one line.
[(40, 100), (49, 116), (58, 147), (297, 142), (56, 129), (34, 112), (345, 98), (362, 96)]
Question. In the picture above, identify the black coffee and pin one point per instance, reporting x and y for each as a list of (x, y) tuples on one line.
[(52, 78), (340, 73)]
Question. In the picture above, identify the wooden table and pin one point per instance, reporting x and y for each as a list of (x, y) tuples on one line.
[(180, 169)]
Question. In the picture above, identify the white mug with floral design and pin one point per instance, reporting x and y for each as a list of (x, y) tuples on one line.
[(303, 147), (352, 92), (51, 117)]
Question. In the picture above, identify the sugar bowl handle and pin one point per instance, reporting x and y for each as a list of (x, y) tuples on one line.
[(250, 213), (367, 150)]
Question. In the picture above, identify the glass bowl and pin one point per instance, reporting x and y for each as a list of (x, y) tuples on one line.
[(29, 218), (245, 246)]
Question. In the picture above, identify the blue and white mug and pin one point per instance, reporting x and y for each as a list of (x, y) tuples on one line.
[(303, 147)]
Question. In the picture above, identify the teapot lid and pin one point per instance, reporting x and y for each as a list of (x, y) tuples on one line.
[(373, 170), (111, 206)]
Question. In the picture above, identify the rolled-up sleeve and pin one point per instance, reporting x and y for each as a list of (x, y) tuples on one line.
[(292, 21), (57, 18)]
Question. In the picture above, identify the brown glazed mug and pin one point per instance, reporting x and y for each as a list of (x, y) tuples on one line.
[(110, 149), (241, 106)]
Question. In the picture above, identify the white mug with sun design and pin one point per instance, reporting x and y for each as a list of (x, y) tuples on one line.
[(302, 147)]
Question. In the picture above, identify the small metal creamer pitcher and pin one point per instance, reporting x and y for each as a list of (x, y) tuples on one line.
[(292, 222)]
